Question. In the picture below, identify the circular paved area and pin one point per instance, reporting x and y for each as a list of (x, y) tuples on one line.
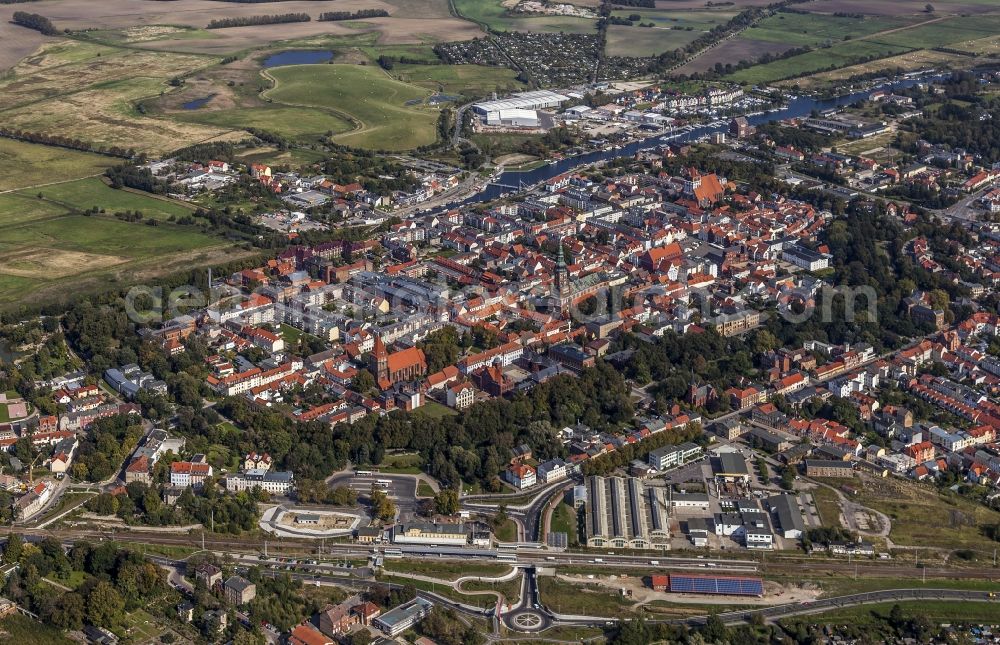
[(527, 621)]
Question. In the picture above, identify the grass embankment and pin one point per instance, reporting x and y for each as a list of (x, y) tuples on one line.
[(387, 113)]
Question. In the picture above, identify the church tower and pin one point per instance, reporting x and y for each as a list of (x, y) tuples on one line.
[(562, 278), (378, 363)]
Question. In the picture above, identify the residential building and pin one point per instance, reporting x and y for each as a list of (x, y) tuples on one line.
[(239, 591)]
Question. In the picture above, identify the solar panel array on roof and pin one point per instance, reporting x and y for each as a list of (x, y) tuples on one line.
[(716, 585)]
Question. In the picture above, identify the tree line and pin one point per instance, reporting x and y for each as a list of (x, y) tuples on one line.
[(347, 15), (58, 141), (35, 21), (248, 21)]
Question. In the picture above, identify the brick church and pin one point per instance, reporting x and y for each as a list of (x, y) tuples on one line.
[(389, 369)]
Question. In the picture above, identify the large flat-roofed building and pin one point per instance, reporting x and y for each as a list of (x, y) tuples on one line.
[(670, 456), (538, 100), (730, 467), (515, 117), (623, 513), (398, 620), (430, 533), (789, 517)]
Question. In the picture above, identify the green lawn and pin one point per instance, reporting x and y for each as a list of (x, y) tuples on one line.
[(468, 80), (30, 164), (511, 589), (935, 611), (447, 570), (287, 121), (435, 410), (84, 194), (564, 519), (364, 94), (291, 335), (867, 43), (424, 489), (4, 415), (405, 464), (583, 599), (507, 531)]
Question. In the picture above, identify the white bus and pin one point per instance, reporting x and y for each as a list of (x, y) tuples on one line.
[(383, 483), (363, 473)]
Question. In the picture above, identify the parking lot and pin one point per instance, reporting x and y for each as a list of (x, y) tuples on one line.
[(401, 489)]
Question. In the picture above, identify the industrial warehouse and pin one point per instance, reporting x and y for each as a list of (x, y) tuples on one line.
[(623, 513), (519, 110)]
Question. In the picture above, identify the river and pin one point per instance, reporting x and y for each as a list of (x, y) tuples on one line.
[(798, 107)]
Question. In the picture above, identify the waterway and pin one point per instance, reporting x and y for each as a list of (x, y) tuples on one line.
[(800, 106), (298, 57)]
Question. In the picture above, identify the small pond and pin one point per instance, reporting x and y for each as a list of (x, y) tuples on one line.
[(196, 104)]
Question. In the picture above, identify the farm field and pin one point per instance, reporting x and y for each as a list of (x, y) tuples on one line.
[(179, 25), (364, 94), (673, 28), (493, 14), (901, 7), (841, 55), (25, 164), (813, 29), (944, 32), (910, 61), (470, 80), (646, 41), (887, 41)]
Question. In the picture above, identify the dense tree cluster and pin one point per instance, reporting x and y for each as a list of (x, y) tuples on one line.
[(623, 456), (132, 176), (445, 627), (376, 173), (35, 21), (247, 21), (472, 446), (974, 127), (211, 507), (105, 446), (117, 581)]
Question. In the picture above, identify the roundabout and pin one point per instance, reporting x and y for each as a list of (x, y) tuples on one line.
[(526, 620)]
